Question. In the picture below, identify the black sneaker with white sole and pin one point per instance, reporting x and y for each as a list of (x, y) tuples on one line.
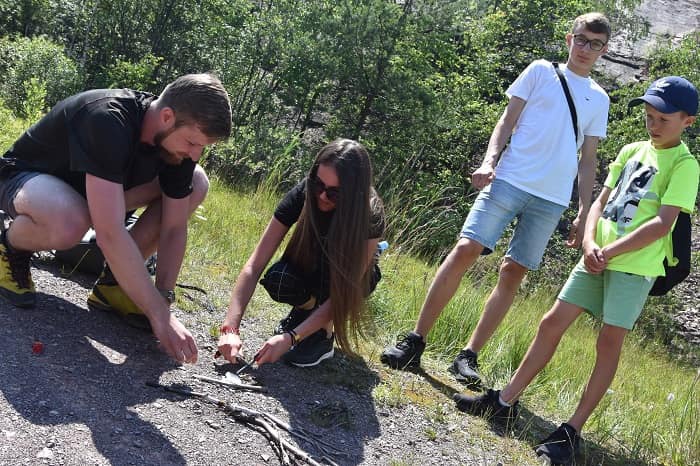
[(295, 317), (405, 353), (488, 406), (465, 367), (311, 350), (560, 447)]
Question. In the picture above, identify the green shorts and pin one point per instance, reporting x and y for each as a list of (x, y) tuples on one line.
[(616, 298)]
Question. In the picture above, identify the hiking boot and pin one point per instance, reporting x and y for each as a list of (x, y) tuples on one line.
[(406, 352), (487, 406), (16, 284), (295, 317), (108, 296), (561, 446), (465, 367), (311, 350)]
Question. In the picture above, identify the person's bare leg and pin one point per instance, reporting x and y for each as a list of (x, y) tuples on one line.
[(446, 282), (50, 215), (552, 327), (146, 230), (608, 349), (510, 276)]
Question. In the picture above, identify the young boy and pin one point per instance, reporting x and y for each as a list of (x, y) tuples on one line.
[(626, 239), (533, 182)]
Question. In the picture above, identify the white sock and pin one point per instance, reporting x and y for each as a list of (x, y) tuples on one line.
[(503, 403)]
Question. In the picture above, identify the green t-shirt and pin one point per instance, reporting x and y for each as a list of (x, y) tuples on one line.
[(642, 179)]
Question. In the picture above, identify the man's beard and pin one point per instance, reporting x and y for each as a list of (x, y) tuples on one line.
[(165, 155)]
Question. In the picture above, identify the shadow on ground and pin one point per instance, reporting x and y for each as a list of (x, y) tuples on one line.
[(90, 372)]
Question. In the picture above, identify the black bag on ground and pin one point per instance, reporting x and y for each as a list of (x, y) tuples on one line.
[(680, 238), (87, 257)]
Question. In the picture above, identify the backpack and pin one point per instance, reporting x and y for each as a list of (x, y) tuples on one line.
[(87, 257), (680, 239)]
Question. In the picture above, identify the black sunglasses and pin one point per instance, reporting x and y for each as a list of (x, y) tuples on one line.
[(332, 192)]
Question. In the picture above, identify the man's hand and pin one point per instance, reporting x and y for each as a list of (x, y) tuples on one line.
[(593, 258), (229, 347), (576, 233), (176, 340), (483, 176), (274, 348)]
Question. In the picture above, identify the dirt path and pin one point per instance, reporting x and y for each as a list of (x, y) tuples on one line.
[(84, 399)]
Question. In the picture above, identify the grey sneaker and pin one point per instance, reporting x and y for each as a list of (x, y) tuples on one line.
[(561, 446), (406, 352), (465, 367), (487, 406), (311, 350)]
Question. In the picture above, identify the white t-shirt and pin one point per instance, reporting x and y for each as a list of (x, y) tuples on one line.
[(541, 158)]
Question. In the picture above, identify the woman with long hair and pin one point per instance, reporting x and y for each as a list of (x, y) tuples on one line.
[(329, 265)]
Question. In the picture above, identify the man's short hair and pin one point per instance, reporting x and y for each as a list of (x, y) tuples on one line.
[(595, 22), (199, 99)]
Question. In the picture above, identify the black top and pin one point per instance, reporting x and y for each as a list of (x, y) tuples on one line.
[(97, 132), (290, 207)]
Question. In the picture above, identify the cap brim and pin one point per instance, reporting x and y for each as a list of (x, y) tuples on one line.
[(657, 102)]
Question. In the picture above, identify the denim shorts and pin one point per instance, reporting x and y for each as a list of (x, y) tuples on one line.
[(616, 298), (497, 205)]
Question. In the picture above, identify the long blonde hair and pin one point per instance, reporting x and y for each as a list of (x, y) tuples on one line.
[(346, 246)]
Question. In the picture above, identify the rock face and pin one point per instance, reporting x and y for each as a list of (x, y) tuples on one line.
[(668, 20)]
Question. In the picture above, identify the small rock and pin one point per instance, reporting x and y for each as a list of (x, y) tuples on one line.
[(45, 453), (265, 458)]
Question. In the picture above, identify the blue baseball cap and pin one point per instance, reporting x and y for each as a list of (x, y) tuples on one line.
[(669, 95)]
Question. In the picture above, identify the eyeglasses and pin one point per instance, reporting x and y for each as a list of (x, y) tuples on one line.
[(332, 192), (595, 44)]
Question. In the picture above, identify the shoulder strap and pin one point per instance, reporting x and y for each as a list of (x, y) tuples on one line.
[(569, 100)]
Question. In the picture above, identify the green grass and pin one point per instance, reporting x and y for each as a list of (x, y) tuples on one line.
[(651, 414)]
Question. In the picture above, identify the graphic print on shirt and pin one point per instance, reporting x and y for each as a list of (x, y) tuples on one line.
[(632, 186)]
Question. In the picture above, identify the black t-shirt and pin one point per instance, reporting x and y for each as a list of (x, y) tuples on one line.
[(290, 207), (97, 132)]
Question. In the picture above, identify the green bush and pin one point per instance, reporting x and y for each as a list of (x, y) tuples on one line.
[(22, 59)]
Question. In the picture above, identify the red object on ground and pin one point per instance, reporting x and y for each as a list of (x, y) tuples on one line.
[(37, 347)]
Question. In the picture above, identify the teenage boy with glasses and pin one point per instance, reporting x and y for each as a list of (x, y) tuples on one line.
[(532, 181)]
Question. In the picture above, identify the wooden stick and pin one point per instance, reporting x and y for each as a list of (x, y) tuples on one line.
[(254, 388)]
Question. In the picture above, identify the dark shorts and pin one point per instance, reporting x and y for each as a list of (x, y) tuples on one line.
[(10, 184), (287, 284)]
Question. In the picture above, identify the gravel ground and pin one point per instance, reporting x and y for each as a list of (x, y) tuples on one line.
[(84, 400)]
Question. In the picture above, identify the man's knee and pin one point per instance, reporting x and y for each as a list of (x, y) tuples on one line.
[(465, 252), (68, 228), (200, 187), (511, 273)]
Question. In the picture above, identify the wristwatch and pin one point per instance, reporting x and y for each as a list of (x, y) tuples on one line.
[(169, 295)]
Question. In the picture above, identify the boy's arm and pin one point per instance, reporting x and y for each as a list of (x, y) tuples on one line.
[(484, 175), (647, 233), (593, 257), (586, 174)]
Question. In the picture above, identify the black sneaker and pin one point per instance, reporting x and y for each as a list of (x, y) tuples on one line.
[(406, 352), (16, 284), (487, 406), (465, 367), (561, 446), (311, 350), (295, 317)]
